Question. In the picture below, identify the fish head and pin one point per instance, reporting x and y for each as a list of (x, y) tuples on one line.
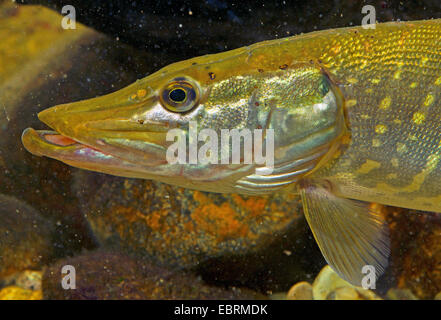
[(156, 128)]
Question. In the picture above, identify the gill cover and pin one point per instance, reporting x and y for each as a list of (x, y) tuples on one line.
[(305, 111)]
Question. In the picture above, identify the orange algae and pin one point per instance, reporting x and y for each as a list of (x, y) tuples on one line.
[(221, 221), (255, 206)]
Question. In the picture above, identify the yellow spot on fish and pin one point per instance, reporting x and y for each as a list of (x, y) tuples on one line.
[(429, 100), (376, 143), (364, 64), (413, 85), (369, 90), (336, 49), (351, 103), (418, 117), (397, 74), (418, 179), (380, 129), (385, 103), (141, 93), (368, 166), (367, 46), (438, 81), (395, 162), (365, 116), (391, 176), (352, 80), (424, 60), (432, 162), (403, 38), (133, 96), (375, 81), (401, 147)]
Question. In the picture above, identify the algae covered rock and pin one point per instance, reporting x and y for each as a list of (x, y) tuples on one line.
[(25, 237), (260, 242), (176, 226), (422, 274), (329, 286), (112, 275), (18, 293), (300, 291), (27, 279), (41, 65), (400, 294), (416, 251)]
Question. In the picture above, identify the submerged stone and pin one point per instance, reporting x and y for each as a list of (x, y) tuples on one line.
[(300, 291), (18, 293), (224, 237), (25, 237), (107, 275), (329, 286)]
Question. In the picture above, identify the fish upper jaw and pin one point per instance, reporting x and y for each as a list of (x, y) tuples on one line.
[(88, 135)]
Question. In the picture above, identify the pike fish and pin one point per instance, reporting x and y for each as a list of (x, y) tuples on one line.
[(355, 114)]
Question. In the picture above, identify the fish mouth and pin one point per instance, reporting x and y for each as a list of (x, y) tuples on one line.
[(100, 134), (52, 144), (76, 154)]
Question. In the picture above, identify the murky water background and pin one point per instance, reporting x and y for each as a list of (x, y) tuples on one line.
[(136, 239)]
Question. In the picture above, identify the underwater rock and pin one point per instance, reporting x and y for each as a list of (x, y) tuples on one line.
[(345, 293), (416, 251), (25, 237), (329, 286), (400, 294), (35, 59), (300, 291), (226, 237), (278, 296), (110, 275), (176, 226), (42, 64), (17, 293), (27, 279)]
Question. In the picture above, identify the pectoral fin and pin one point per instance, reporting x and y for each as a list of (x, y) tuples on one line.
[(349, 233)]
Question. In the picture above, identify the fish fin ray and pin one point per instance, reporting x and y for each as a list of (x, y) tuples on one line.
[(349, 233)]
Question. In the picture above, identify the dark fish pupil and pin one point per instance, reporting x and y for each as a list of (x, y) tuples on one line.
[(177, 95)]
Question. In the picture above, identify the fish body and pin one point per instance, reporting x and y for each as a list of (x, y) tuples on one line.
[(391, 83), (354, 113)]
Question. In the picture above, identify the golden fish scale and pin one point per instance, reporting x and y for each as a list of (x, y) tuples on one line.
[(391, 81)]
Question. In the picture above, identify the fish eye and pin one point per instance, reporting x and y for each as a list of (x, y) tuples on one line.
[(177, 95), (180, 95)]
